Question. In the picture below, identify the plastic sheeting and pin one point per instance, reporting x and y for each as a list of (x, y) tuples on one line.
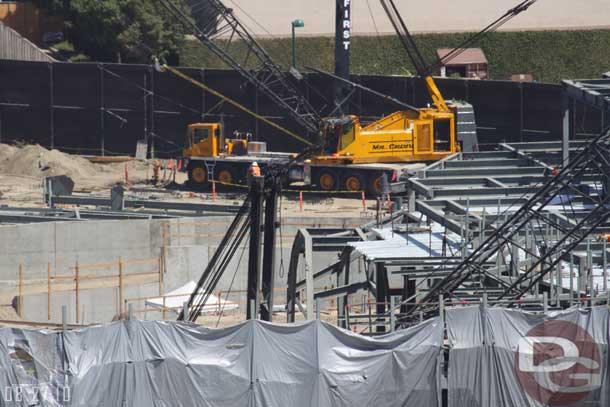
[(175, 299), (501, 357), (162, 364)]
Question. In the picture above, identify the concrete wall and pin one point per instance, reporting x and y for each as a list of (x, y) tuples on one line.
[(64, 243), (186, 245)]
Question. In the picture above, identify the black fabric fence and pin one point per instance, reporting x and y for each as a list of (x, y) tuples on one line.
[(93, 108)]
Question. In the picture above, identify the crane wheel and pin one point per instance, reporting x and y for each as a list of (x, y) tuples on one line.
[(225, 176), (327, 181), (353, 183), (374, 187), (198, 176)]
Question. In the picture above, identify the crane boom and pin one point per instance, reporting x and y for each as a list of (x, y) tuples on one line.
[(513, 12), (414, 54), (232, 102), (267, 76), (424, 70)]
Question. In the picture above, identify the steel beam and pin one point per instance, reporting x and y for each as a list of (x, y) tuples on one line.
[(254, 257), (268, 272), (146, 203)]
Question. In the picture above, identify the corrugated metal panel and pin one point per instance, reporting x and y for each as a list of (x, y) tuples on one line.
[(393, 245), (14, 46)]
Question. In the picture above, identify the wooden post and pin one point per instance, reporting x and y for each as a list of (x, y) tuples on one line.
[(77, 289), (120, 287), (48, 291), (64, 318), (20, 302), (161, 285), (166, 237), (160, 275)]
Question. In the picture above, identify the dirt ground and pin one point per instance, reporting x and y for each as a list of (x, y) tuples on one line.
[(37, 162), (23, 168)]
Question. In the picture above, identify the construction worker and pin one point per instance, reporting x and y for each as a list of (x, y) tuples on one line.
[(156, 171), (255, 170), (171, 166)]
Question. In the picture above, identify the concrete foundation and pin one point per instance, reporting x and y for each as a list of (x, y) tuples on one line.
[(182, 245)]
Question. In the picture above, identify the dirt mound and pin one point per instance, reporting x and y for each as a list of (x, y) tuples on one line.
[(36, 161), (6, 152)]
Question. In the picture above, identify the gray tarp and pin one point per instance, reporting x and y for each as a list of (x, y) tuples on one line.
[(163, 364), (503, 357)]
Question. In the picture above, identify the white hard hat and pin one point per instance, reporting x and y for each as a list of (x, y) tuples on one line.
[(254, 164)]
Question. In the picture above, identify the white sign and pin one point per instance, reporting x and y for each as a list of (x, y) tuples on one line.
[(346, 24)]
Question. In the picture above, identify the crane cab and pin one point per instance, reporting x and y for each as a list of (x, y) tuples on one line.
[(208, 140), (403, 136)]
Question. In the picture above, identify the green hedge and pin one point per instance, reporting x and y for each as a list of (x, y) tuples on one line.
[(549, 55)]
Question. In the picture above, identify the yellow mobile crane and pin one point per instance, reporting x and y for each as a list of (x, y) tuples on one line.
[(349, 157)]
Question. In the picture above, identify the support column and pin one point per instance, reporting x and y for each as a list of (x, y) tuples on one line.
[(51, 107), (408, 291), (268, 274), (343, 280), (309, 286), (101, 103), (254, 259), (295, 254), (151, 104), (381, 279), (514, 260), (567, 129), (521, 112), (582, 282), (411, 203)]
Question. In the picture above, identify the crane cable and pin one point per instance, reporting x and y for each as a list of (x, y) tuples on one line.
[(235, 103)]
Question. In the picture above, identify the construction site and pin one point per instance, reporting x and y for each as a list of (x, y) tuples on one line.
[(271, 235)]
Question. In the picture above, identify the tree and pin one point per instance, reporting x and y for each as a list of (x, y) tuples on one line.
[(120, 30), (150, 31)]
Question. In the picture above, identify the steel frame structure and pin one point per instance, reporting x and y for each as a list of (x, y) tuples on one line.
[(558, 238)]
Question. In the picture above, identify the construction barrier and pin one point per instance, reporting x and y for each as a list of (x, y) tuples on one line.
[(496, 357), (502, 357), (147, 363)]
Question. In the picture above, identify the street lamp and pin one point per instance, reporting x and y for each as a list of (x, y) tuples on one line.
[(298, 23)]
